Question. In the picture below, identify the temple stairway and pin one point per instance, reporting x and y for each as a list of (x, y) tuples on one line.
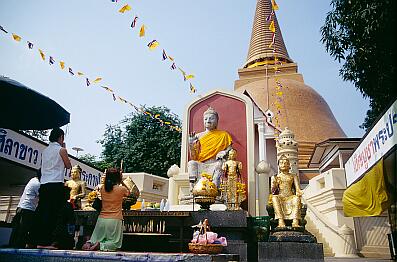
[(311, 227)]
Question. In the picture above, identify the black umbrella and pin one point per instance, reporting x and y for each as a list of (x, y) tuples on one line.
[(25, 109)]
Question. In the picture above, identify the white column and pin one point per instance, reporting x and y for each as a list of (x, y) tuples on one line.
[(340, 159), (262, 141), (263, 179)]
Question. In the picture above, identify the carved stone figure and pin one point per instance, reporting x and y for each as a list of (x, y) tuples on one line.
[(77, 187), (233, 190), (286, 194), (207, 149)]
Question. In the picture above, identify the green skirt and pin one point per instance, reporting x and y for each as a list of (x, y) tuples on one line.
[(109, 233)]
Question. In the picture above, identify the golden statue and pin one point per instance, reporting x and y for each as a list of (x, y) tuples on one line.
[(286, 194), (232, 187), (208, 149), (77, 187), (90, 200), (101, 184), (205, 191)]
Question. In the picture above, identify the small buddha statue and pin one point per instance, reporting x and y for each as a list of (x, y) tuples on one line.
[(231, 185), (90, 200), (100, 185), (286, 194), (208, 149), (77, 187)]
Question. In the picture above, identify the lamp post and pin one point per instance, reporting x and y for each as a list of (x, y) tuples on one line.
[(77, 149)]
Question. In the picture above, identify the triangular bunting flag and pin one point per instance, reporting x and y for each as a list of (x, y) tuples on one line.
[(125, 8)]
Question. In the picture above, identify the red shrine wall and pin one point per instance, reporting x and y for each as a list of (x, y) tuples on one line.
[(232, 118)]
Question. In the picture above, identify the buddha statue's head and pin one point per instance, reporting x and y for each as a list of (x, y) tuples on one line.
[(232, 154), (103, 178), (76, 171), (210, 118), (284, 164)]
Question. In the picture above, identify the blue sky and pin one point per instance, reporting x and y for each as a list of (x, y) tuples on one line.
[(207, 38)]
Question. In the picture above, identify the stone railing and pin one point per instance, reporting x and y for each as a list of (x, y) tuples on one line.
[(340, 239), (323, 198)]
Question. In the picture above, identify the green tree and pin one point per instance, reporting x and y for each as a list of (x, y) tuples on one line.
[(93, 161), (362, 34), (143, 143)]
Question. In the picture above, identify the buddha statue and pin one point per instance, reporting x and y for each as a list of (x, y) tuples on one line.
[(208, 149), (98, 187), (233, 190), (286, 194), (77, 187)]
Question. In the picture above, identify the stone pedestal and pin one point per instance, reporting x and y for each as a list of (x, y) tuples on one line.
[(290, 251), (229, 224), (292, 236)]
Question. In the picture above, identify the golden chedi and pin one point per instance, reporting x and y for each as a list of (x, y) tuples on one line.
[(303, 110)]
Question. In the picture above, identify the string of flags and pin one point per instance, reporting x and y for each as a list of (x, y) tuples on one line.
[(154, 44), (279, 92), (96, 81)]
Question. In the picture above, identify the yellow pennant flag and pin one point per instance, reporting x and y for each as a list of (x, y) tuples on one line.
[(279, 93), (97, 80), (80, 74), (157, 116), (42, 54), (187, 77), (153, 45), (171, 58), (16, 37), (62, 64), (142, 31), (274, 5), (272, 27), (125, 8)]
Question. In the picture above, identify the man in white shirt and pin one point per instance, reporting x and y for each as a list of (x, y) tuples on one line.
[(54, 162), (23, 221)]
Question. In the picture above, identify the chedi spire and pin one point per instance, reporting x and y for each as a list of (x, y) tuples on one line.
[(259, 52)]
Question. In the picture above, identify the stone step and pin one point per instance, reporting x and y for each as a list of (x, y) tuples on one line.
[(311, 227)]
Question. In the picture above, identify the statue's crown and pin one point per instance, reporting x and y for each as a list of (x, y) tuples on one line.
[(210, 110), (283, 157), (77, 167)]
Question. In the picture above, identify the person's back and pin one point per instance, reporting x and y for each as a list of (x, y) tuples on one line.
[(112, 202), (24, 219), (52, 167), (54, 162), (30, 195), (108, 232)]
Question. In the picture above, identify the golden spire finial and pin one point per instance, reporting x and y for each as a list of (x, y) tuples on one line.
[(261, 37)]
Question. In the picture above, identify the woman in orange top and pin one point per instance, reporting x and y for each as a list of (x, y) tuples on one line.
[(108, 232)]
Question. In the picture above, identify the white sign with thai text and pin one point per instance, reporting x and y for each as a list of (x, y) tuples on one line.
[(374, 146), (24, 150)]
